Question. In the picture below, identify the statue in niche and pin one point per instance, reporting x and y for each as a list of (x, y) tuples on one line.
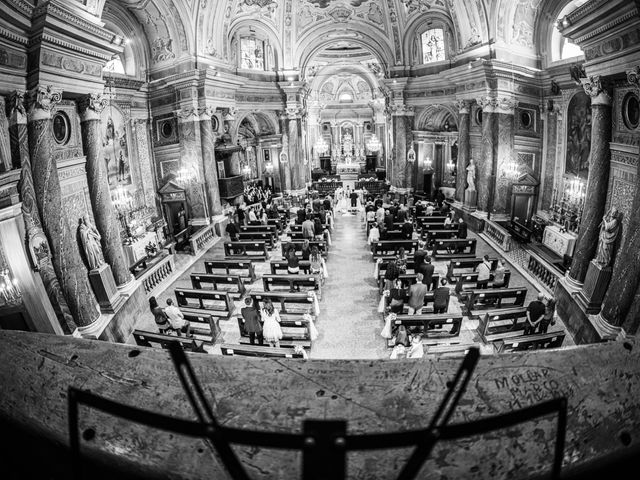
[(471, 176), (90, 241), (609, 229)]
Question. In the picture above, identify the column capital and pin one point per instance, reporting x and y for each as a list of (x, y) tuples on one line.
[(633, 77), (229, 114), (187, 114), (593, 86), (205, 113), (41, 101), (464, 106), (17, 112), (402, 110), (90, 106)]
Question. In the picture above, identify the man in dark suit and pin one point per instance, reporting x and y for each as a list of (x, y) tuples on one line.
[(251, 321), (301, 215), (462, 228), (426, 269), (418, 256), (407, 229), (354, 199), (441, 297), (388, 220)]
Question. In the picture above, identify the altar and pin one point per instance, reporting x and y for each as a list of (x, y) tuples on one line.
[(560, 242), (134, 251)]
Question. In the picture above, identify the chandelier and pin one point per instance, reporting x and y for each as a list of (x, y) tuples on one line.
[(451, 166), (9, 292), (512, 171), (321, 146), (373, 145), (428, 163), (576, 190)]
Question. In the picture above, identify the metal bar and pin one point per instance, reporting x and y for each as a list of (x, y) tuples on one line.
[(324, 456)]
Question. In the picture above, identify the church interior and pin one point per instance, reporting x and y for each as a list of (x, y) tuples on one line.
[(334, 210)]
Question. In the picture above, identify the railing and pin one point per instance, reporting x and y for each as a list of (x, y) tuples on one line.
[(325, 188), (375, 188), (543, 272), (157, 274), (498, 234), (201, 239)]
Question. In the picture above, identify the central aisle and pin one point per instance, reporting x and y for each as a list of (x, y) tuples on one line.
[(348, 324)]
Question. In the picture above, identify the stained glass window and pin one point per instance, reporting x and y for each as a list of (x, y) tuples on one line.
[(433, 45), (252, 53)]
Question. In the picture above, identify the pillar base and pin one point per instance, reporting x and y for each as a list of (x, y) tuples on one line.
[(573, 285), (595, 286), (105, 289), (470, 200), (605, 329)]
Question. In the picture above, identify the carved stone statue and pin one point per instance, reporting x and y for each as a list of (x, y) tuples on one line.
[(471, 175), (90, 240), (609, 229)]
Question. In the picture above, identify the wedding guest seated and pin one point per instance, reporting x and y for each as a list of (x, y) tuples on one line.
[(293, 263), (374, 234)]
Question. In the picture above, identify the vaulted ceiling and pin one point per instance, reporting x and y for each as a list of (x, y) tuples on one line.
[(299, 29)]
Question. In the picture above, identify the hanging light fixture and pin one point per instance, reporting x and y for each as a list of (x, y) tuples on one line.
[(9, 291), (450, 165), (321, 146), (576, 190), (373, 145), (428, 163)]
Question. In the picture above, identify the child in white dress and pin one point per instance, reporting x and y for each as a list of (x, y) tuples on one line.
[(271, 330)]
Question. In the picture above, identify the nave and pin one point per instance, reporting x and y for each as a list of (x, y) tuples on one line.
[(349, 324)]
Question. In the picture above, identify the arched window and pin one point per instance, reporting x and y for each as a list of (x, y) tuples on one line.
[(562, 48), (115, 65), (252, 53), (433, 46)]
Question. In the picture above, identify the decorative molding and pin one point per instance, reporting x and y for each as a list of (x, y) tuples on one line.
[(13, 36), (41, 100), (608, 26), (90, 106), (70, 17), (16, 107), (594, 88), (69, 46), (464, 106), (633, 77)]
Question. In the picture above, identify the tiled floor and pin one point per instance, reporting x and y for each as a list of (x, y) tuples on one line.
[(348, 325)]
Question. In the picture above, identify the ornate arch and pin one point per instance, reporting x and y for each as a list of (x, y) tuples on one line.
[(137, 51), (549, 12), (261, 30), (433, 117), (420, 24), (318, 38)]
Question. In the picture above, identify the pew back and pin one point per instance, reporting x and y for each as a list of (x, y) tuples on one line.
[(245, 268), (258, 351), (150, 339)]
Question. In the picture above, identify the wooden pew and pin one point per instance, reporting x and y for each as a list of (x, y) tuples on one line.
[(272, 229), (205, 327), (292, 281), (501, 298), (427, 309), (442, 325), (530, 342), (306, 344), (215, 279), (383, 247), (265, 237), (276, 222), (150, 339), (298, 228), (432, 235), (392, 235), (286, 300), (407, 280), (465, 263), (322, 246), (386, 259), (294, 329), (430, 220), (447, 351), (299, 236), (452, 248), (246, 246), (245, 268), (468, 281), (214, 302), (258, 351), (278, 266), (499, 324)]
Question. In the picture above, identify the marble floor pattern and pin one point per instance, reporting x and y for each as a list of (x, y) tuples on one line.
[(349, 325)]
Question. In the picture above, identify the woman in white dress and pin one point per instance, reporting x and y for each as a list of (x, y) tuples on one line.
[(271, 330), (342, 201)]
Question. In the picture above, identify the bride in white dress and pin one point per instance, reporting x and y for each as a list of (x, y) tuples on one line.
[(342, 204)]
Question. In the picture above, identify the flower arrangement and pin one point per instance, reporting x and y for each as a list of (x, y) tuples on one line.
[(386, 293), (391, 317)]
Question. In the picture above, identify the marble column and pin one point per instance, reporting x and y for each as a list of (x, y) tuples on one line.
[(90, 106), (505, 111), (67, 261), (191, 161), (285, 173), (295, 150), (403, 172), (597, 182), (208, 142), (625, 279), (464, 147), (35, 236), (486, 164)]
